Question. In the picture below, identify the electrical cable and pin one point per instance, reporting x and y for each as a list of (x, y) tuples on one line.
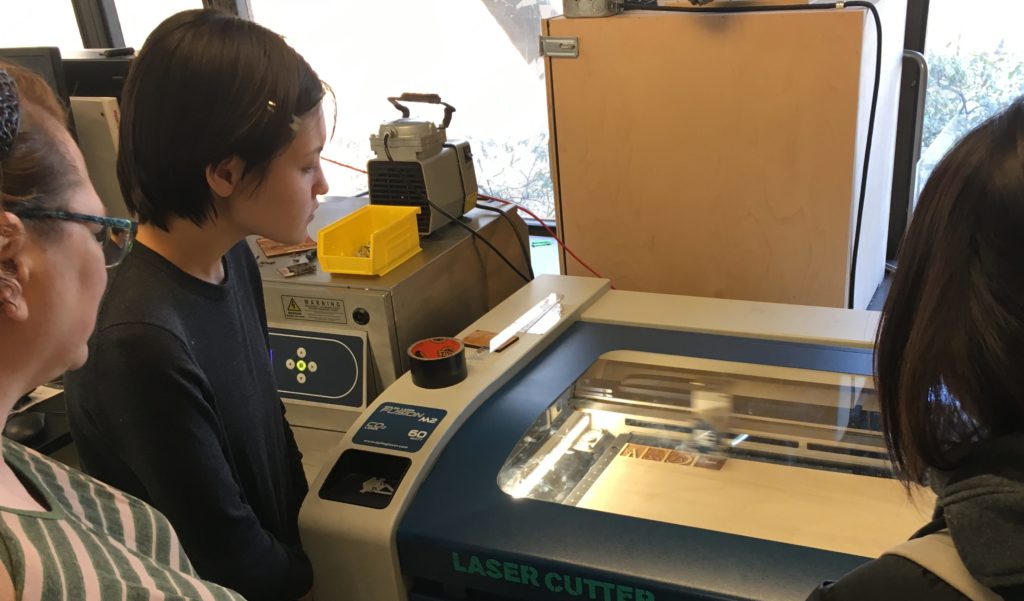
[(852, 280), (524, 246), (867, 147), (551, 232), (524, 243), (345, 165), (477, 235), (473, 232)]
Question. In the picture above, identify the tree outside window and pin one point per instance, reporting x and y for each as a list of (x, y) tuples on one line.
[(976, 67)]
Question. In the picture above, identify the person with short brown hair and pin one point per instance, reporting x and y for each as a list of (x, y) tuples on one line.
[(221, 132)]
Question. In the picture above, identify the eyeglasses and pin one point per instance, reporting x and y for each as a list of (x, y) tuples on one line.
[(115, 237)]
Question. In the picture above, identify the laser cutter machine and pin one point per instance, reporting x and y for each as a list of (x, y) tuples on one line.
[(628, 446)]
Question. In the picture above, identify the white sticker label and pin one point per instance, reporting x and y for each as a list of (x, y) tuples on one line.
[(307, 308)]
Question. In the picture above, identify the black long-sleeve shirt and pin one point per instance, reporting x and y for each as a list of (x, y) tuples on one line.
[(177, 405)]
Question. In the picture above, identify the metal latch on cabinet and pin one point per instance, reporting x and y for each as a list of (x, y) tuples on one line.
[(559, 47)]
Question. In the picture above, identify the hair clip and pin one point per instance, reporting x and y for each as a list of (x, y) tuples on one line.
[(10, 115), (296, 122)]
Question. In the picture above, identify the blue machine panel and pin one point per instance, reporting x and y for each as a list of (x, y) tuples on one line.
[(318, 367), (399, 427), (462, 535)]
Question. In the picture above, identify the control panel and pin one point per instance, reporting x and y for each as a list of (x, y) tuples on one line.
[(319, 367)]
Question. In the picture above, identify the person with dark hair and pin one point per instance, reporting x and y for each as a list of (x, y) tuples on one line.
[(950, 380), (221, 133), (63, 535)]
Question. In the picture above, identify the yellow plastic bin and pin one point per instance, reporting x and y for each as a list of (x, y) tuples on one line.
[(387, 234)]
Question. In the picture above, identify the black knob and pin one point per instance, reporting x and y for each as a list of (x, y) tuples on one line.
[(361, 316)]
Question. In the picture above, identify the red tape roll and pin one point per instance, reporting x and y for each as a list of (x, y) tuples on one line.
[(437, 362)]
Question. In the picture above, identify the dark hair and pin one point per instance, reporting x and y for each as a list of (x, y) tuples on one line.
[(949, 350), (206, 86), (38, 169)]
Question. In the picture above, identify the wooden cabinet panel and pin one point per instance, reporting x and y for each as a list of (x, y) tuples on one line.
[(714, 155)]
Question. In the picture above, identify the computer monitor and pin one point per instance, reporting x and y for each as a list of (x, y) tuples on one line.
[(46, 62), (89, 73)]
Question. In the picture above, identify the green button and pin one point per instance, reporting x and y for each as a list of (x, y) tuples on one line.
[(301, 365)]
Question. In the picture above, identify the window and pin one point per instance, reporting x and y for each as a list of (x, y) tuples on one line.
[(40, 23), (481, 56), (976, 67), (140, 17)]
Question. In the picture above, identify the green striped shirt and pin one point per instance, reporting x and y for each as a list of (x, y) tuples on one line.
[(95, 542)]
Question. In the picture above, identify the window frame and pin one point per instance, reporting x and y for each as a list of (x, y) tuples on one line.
[(908, 141), (98, 23), (241, 8)]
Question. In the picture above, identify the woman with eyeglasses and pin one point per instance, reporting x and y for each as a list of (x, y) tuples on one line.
[(63, 535), (221, 133)]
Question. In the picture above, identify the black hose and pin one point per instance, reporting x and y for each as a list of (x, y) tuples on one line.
[(524, 243), (479, 237)]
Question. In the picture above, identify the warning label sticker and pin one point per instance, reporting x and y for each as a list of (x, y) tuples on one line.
[(314, 309)]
